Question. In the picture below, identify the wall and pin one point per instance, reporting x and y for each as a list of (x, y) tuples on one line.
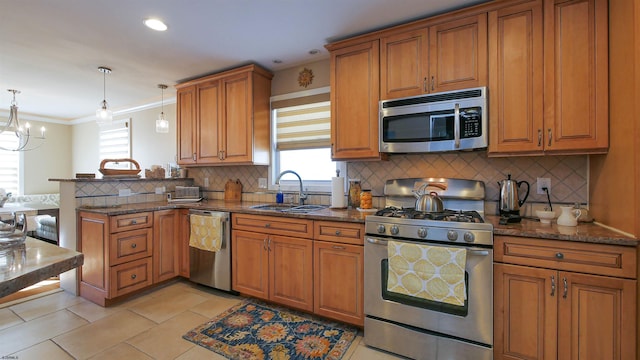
[(148, 147), (49, 161), (615, 177)]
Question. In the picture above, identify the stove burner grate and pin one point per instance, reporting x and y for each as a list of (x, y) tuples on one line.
[(445, 215)]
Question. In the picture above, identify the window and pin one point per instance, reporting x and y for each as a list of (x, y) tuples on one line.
[(9, 164), (301, 133), (115, 143)]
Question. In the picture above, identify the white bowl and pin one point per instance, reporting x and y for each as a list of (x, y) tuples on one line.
[(545, 216)]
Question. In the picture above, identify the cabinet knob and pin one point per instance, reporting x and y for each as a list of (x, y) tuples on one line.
[(133, 246), (559, 256), (338, 233), (133, 276), (134, 221), (267, 225)]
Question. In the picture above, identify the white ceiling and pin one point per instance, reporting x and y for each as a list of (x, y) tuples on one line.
[(51, 50)]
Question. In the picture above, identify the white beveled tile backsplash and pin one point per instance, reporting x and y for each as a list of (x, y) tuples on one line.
[(568, 174)]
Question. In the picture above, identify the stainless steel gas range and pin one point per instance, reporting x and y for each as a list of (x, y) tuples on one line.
[(423, 319)]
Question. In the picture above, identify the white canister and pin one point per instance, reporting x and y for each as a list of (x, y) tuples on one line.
[(569, 216)]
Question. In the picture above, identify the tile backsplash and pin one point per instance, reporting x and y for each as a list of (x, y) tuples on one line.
[(568, 174)]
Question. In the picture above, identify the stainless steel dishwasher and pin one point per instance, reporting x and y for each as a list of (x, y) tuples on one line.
[(212, 268)]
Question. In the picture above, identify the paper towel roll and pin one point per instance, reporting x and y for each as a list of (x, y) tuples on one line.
[(337, 193)]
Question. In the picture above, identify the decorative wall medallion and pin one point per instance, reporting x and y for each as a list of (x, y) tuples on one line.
[(305, 78)]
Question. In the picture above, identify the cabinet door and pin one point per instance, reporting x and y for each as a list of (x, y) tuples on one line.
[(93, 238), (404, 64), (208, 124), (237, 132), (186, 125), (458, 54), (596, 317), (185, 232), (516, 81), (576, 93), (165, 244), (525, 311), (250, 263), (291, 271), (355, 92), (338, 281)]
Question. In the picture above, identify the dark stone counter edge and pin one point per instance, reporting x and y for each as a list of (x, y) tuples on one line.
[(584, 232), (119, 179)]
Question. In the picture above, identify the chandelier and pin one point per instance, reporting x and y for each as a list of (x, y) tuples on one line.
[(103, 114), (16, 137), (162, 124)]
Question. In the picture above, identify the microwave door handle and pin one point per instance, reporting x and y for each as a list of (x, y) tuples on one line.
[(456, 126)]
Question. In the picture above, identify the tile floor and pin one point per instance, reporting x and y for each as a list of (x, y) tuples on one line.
[(148, 326)]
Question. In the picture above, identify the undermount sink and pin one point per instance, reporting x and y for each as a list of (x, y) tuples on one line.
[(290, 208)]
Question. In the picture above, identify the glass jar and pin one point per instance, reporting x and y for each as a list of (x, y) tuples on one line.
[(354, 193), (366, 200)]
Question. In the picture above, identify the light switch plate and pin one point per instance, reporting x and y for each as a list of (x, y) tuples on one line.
[(124, 192), (262, 183), (160, 190), (542, 183), (206, 182)]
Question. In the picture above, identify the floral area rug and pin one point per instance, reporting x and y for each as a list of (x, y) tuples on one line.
[(254, 330)]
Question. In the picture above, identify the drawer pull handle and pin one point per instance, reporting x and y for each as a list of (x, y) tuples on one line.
[(134, 221), (267, 225), (264, 244), (566, 288), (553, 286), (559, 256), (133, 246), (336, 247), (133, 276), (338, 233)]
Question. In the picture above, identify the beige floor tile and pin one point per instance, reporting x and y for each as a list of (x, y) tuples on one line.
[(215, 306), (91, 311), (122, 351), (8, 318), (22, 336), (198, 353), (353, 347), (45, 305), (165, 340), (102, 334), (45, 350), (164, 307), (364, 352)]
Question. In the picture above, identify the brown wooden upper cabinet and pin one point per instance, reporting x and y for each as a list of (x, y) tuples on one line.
[(548, 85), (223, 119), (447, 56)]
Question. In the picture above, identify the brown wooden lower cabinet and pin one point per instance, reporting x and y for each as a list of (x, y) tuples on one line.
[(551, 300), (183, 247), (166, 247)]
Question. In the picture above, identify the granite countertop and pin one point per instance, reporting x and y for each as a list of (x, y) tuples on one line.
[(32, 262), (584, 232)]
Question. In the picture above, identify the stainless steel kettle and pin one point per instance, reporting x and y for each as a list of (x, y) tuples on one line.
[(510, 202), (428, 201)]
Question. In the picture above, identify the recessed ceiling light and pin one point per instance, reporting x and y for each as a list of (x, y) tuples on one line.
[(277, 61), (155, 24), (314, 52)]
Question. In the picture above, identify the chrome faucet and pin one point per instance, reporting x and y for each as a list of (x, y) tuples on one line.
[(302, 195)]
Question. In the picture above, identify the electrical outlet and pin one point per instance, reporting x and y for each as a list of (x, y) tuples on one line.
[(124, 192), (542, 183), (206, 182), (262, 183), (160, 190)]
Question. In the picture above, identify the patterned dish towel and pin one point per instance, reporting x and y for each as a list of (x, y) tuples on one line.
[(206, 232), (428, 272)]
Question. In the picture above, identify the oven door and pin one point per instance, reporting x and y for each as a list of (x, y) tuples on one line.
[(473, 321)]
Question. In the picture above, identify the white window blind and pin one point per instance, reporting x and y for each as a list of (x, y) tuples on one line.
[(9, 163), (115, 143)]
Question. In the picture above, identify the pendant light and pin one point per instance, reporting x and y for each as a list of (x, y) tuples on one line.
[(20, 136), (103, 114), (162, 124)]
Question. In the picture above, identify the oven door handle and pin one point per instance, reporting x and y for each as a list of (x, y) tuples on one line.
[(376, 241), (470, 251), (478, 252)]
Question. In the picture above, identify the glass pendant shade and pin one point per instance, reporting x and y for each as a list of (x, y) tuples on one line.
[(162, 124), (104, 116)]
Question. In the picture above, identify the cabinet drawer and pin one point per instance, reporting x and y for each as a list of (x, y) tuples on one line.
[(342, 232), (130, 276), (273, 225), (131, 221), (130, 245), (599, 259)]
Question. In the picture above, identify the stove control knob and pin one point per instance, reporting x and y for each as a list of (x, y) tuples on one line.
[(422, 232), (469, 237), (381, 229), (452, 235), (394, 230)]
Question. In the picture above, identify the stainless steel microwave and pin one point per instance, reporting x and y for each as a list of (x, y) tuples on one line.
[(446, 121)]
